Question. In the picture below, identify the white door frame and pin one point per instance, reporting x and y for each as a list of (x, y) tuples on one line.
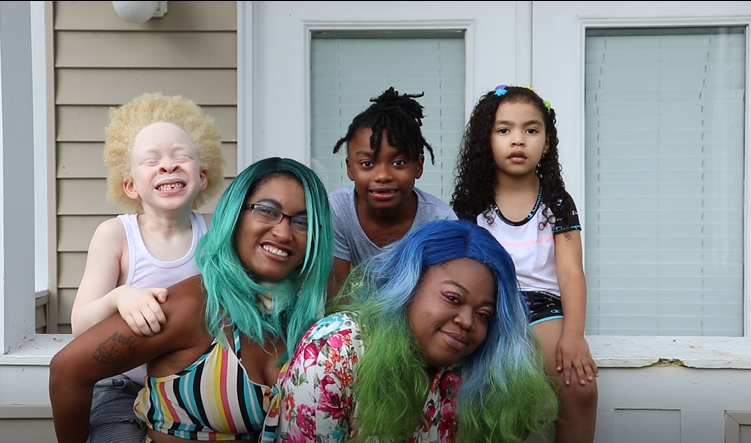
[(274, 62)]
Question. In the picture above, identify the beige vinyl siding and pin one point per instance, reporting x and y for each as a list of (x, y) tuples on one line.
[(176, 49), (81, 122), (68, 165), (102, 61), (190, 16)]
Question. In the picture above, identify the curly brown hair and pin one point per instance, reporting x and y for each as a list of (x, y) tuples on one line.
[(474, 176), (129, 119)]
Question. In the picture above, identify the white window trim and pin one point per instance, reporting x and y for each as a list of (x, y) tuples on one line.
[(254, 107), (245, 105), (39, 91), (17, 186)]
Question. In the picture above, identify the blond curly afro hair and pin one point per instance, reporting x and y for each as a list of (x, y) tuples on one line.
[(129, 119)]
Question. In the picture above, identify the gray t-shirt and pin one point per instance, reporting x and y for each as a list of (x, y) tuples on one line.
[(350, 241)]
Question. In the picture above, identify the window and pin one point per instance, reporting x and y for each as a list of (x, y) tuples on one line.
[(348, 68), (664, 181)]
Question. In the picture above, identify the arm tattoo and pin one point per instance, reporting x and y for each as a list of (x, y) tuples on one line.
[(116, 352)]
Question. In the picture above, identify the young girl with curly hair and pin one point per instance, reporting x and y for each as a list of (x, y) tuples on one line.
[(509, 181)]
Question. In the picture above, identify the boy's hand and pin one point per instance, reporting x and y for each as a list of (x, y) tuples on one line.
[(140, 309), (573, 352)]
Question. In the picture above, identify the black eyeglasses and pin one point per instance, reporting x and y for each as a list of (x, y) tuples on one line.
[(273, 216)]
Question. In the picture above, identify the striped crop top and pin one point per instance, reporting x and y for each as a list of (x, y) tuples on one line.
[(211, 400)]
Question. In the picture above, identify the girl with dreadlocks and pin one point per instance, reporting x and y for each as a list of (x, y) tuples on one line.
[(433, 345), (509, 181), (385, 155), (213, 367)]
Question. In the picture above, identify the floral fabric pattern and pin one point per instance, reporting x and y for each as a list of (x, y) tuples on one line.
[(316, 401)]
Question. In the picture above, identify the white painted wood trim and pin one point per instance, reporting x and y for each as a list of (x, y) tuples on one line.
[(692, 352), (39, 91), (244, 84)]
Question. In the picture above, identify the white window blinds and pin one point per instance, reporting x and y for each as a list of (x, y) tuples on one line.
[(349, 68), (664, 187)]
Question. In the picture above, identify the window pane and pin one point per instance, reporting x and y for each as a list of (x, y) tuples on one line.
[(350, 68), (664, 181)]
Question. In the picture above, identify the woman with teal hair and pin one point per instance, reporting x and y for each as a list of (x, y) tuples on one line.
[(264, 264), (432, 344)]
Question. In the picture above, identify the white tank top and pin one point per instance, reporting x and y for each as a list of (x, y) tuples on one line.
[(146, 271)]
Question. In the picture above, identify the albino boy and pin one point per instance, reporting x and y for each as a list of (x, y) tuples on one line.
[(164, 160)]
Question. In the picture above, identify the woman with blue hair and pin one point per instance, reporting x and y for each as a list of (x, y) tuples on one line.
[(264, 265), (432, 344)]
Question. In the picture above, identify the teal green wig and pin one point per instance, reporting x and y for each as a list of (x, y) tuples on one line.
[(505, 394), (231, 291)]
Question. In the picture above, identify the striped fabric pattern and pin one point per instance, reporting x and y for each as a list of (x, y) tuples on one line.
[(211, 400)]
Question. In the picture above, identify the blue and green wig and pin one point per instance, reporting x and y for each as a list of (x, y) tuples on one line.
[(231, 291), (505, 393)]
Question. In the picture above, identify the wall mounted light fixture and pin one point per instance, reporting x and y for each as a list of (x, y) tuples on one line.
[(139, 12)]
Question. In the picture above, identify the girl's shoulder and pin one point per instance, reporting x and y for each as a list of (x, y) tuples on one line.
[(430, 207), (565, 213), (563, 197), (561, 201), (110, 235)]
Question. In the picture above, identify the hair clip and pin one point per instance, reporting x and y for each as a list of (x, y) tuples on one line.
[(500, 90)]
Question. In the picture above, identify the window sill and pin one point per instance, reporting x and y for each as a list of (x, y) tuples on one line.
[(691, 352), (36, 351), (608, 351)]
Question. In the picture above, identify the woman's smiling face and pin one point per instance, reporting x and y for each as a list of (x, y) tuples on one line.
[(451, 309), (271, 251)]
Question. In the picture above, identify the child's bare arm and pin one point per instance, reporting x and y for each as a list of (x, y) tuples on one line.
[(98, 294), (572, 351)]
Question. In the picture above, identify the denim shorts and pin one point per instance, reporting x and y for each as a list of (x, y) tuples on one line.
[(542, 306), (112, 419)]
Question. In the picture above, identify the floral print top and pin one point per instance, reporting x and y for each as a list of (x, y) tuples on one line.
[(317, 402)]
